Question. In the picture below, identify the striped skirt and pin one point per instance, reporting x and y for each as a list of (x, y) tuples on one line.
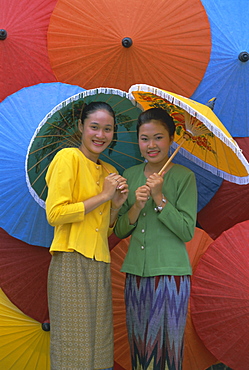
[(80, 309), (156, 312)]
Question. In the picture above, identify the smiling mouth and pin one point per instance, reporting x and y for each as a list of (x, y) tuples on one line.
[(153, 153), (98, 142)]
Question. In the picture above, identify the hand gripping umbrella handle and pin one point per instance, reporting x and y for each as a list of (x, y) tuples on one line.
[(184, 138)]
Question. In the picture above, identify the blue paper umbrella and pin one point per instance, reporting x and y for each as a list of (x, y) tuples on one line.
[(207, 183), (20, 114), (227, 74)]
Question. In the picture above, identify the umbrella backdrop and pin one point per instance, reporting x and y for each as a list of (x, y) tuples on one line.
[(20, 114), (220, 297), (24, 344), (59, 129), (118, 43), (229, 206), (196, 355), (199, 135), (23, 44), (207, 183), (227, 73), (23, 276)]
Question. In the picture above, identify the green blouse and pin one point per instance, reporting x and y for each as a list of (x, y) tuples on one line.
[(157, 244)]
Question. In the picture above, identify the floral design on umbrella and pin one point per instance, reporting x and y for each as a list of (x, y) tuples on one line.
[(117, 43), (227, 72), (20, 114), (204, 140), (23, 44)]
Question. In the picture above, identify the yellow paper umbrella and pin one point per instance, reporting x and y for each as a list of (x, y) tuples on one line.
[(200, 136), (24, 344)]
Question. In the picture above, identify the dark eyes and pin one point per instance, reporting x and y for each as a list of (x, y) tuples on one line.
[(156, 138)]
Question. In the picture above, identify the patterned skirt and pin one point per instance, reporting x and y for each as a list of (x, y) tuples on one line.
[(156, 312), (80, 309)]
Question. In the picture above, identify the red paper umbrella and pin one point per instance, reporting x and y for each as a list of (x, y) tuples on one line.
[(119, 43), (196, 355), (220, 297), (23, 275), (23, 44), (230, 204)]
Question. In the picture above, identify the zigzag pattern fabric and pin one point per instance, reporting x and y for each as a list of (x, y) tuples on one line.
[(156, 311)]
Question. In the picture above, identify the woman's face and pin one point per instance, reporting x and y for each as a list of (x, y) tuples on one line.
[(154, 142), (97, 133)]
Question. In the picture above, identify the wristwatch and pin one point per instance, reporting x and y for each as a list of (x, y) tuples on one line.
[(160, 207)]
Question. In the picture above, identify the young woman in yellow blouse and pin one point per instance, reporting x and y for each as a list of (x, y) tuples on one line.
[(84, 196)]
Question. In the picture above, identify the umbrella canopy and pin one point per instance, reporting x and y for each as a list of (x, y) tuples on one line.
[(23, 276), (200, 135), (229, 205), (196, 355), (59, 129), (220, 296), (20, 114), (23, 44), (24, 344), (117, 43), (227, 73), (207, 183)]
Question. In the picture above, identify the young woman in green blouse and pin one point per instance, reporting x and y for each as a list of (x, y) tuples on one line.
[(160, 216), (84, 195)]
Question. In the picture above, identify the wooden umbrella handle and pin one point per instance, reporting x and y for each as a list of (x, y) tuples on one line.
[(184, 138)]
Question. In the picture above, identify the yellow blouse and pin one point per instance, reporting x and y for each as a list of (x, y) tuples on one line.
[(71, 179)]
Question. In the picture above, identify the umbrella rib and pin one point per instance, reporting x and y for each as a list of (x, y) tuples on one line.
[(127, 155), (55, 142), (59, 147), (124, 141), (113, 161)]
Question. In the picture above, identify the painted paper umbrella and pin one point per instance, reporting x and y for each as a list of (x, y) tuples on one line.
[(20, 114), (196, 355), (59, 129), (229, 206), (200, 136), (220, 297), (23, 44), (24, 344), (23, 276), (119, 43), (227, 73)]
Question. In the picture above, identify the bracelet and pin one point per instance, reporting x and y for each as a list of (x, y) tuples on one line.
[(115, 209), (160, 207)]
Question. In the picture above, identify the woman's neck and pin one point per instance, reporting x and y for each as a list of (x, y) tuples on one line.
[(151, 168)]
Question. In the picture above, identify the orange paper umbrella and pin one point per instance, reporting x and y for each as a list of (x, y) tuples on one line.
[(196, 355), (118, 43), (220, 297), (121, 345)]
